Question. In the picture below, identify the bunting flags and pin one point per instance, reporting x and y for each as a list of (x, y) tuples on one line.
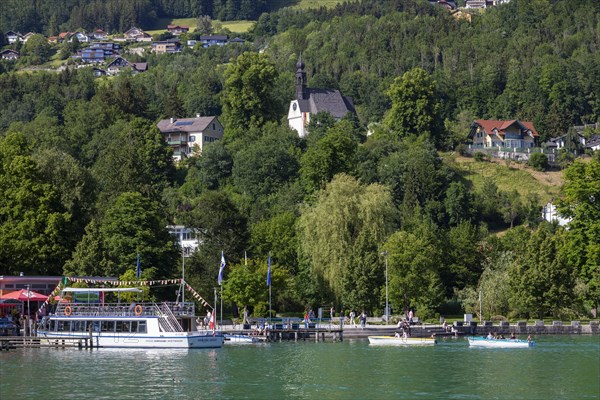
[(269, 270), (221, 268), (161, 282)]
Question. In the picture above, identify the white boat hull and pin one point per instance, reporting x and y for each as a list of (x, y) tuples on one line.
[(172, 340), (231, 338), (400, 341), (500, 343)]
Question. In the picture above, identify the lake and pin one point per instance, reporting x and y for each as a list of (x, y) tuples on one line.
[(559, 367)]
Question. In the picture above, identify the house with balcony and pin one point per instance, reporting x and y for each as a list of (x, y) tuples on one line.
[(99, 34), (213, 40), (137, 35), (494, 134), (166, 46), (120, 64), (186, 237), (189, 136), (9, 54), (13, 37), (177, 29)]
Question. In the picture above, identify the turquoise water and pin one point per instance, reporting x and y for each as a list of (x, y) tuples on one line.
[(560, 367)]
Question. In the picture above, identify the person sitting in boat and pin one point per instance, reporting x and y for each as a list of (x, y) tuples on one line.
[(529, 338), (490, 336), (512, 336), (501, 337)]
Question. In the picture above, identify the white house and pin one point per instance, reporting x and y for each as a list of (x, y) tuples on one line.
[(188, 136), (310, 101), (550, 214), (186, 237)]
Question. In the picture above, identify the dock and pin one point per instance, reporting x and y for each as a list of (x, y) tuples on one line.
[(20, 342)]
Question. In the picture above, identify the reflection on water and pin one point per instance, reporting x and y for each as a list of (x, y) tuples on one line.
[(559, 367)]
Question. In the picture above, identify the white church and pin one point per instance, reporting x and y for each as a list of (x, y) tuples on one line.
[(311, 101)]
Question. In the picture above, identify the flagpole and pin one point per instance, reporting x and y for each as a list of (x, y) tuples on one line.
[(221, 321), (269, 282)]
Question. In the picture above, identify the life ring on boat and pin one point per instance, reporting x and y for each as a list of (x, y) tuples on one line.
[(68, 311), (138, 310)]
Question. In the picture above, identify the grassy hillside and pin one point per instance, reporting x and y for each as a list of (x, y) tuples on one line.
[(314, 3), (161, 25), (509, 176)]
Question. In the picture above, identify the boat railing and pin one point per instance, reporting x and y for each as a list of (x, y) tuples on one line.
[(123, 310)]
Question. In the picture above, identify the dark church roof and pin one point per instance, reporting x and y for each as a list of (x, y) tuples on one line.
[(330, 100), (314, 100)]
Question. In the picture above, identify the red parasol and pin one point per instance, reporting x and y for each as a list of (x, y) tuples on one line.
[(24, 295)]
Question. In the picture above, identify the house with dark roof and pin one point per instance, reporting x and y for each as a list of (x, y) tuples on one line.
[(189, 136), (489, 134), (311, 101), (13, 37), (213, 40), (9, 54), (120, 64)]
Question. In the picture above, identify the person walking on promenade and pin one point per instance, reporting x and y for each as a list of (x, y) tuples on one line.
[(352, 316), (363, 319)]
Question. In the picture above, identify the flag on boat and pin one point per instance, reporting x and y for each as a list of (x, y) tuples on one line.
[(269, 270), (221, 268), (139, 267)]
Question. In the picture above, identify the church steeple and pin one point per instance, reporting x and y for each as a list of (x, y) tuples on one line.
[(301, 91)]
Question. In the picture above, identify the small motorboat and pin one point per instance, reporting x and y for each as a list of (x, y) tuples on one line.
[(239, 338), (400, 341), (500, 343)]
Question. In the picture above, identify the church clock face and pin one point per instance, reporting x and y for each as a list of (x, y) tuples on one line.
[(294, 106)]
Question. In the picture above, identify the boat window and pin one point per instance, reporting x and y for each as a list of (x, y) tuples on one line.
[(53, 325), (108, 326), (78, 326), (141, 327), (96, 326), (64, 326), (123, 326)]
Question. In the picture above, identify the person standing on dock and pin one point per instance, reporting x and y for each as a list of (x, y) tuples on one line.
[(352, 316), (342, 319), (332, 312), (363, 319)]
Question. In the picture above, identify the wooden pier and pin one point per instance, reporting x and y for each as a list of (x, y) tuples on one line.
[(279, 334), (19, 342)]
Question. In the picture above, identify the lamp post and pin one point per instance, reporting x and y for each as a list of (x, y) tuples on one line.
[(387, 309)]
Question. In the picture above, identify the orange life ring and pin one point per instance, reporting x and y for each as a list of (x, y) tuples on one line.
[(138, 310), (68, 311)]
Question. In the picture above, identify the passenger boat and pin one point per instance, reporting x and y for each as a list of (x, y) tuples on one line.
[(400, 341), (142, 325), (500, 343)]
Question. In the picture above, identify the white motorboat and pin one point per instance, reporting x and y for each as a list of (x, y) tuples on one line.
[(400, 341), (240, 338), (500, 343), (141, 325)]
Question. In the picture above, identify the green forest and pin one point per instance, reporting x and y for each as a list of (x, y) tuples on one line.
[(88, 182)]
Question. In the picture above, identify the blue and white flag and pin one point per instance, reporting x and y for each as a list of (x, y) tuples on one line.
[(139, 267), (269, 271), (221, 268)]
